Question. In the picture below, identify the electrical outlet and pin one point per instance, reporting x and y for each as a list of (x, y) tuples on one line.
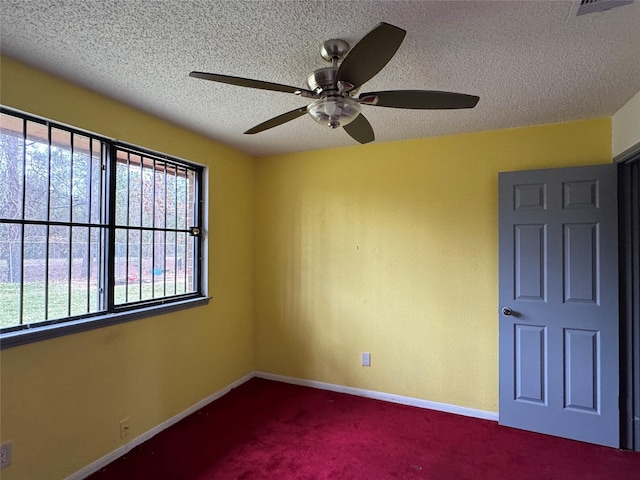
[(366, 359), (124, 428), (5, 455)]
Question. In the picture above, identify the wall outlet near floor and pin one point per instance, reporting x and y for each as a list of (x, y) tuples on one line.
[(124, 428), (5, 454), (366, 359)]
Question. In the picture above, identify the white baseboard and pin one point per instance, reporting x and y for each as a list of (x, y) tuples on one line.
[(387, 397), (118, 452)]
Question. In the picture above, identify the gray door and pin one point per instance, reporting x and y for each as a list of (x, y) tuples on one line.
[(558, 324)]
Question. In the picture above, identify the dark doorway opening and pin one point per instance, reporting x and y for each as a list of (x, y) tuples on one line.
[(629, 205)]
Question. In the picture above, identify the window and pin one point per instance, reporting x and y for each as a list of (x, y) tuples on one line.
[(91, 230)]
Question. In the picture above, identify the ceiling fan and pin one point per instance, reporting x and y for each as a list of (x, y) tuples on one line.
[(334, 89)]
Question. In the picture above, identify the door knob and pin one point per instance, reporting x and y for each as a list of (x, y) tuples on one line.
[(507, 312)]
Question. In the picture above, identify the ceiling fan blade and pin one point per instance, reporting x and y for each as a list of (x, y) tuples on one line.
[(279, 120), (248, 82), (360, 130), (370, 54), (419, 99)]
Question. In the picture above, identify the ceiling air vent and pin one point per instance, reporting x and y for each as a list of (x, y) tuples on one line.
[(583, 7)]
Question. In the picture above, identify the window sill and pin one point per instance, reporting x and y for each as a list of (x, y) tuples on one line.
[(36, 334)]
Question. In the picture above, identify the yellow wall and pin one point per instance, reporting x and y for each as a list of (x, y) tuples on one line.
[(392, 249), (62, 399), (387, 248)]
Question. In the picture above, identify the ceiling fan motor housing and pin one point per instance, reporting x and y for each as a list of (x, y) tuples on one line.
[(335, 108), (323, 79)]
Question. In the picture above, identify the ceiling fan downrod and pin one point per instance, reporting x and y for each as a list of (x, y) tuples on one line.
[(335, 108)]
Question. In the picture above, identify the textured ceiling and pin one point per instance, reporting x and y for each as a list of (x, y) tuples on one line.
[(530, 62)]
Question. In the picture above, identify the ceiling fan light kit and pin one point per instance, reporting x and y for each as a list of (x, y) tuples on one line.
[(334, 88), (334, 111)]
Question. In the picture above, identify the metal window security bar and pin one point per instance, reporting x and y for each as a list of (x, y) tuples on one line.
[(89, 226), (156, 209), (56, 174)]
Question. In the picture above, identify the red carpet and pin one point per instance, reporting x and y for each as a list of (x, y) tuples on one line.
[(271, 430)]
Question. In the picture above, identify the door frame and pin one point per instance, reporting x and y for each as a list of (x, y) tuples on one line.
[(629, 259)]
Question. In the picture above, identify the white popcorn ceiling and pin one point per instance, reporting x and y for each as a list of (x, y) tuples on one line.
[(528, 61)]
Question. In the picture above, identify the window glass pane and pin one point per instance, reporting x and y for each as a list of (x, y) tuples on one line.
[(148, 191), (170, 263), (172, 199), (122, 191), (11, 166), (147, 265), (10, 273), (84, 267), (96, 193), (185, 248), (191, 198), (158, 265), (133, 275), (120, 267), (136, 193), (35, 268), (95, 269), (59, 267), (158, 204), (60, 181), (81, 180), (190, 264), (36, 204), (181, 192)]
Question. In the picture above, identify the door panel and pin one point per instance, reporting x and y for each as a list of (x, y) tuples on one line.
[(581, 277), (531, 368), (582, 381), (559, 282), (530, 262)]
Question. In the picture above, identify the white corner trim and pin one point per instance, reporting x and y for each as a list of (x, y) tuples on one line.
[(387, 397), (118, 452), (625, 127)]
